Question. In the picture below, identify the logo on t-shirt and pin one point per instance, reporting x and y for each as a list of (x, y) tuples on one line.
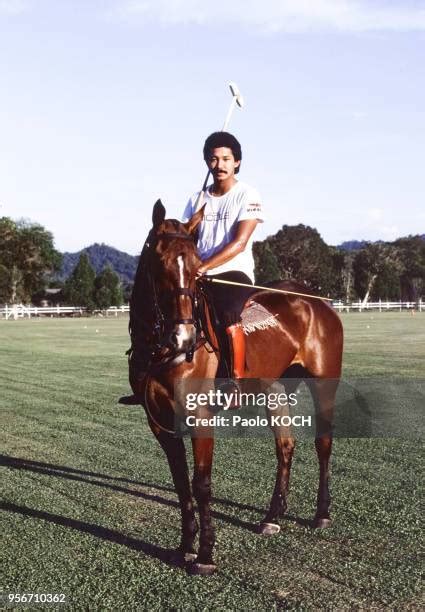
[(253, 208), (218, 216)]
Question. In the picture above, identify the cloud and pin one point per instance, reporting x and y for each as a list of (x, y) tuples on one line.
[(12, 7), (279, 15)]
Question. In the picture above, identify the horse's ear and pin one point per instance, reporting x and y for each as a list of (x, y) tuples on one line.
[(196, 219), (158, 213)]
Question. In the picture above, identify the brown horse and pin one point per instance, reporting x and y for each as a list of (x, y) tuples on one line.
[(308, 337)]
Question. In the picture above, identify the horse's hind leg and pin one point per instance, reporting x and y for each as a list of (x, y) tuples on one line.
[(176, 456), (323, 392), (278, 504), (285, 445)]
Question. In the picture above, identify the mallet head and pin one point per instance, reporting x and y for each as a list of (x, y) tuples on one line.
[(236, 94)]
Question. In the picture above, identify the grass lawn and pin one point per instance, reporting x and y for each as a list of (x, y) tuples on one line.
[(88, 508)]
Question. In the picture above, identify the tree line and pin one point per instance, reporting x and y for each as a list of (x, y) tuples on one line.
[(377, 270), (29, 263)]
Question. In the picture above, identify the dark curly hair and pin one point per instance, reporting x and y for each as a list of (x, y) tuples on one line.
[(223, 139)]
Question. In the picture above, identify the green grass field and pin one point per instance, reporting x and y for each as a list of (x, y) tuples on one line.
[(88, 507)]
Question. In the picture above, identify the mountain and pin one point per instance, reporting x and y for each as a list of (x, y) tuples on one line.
[(101, 255), (354, 245)]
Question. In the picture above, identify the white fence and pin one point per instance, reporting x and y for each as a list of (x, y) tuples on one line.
[(381, 306), (19, 311)]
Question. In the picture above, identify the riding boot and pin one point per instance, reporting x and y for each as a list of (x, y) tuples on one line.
[(137, 387), (236, 338), (237, 343), (137, 375)]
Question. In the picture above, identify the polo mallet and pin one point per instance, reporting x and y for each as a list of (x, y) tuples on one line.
[(236, 100)]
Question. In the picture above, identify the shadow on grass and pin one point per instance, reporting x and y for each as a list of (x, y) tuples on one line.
[(100, 532), (302, 522), (52, 469), (88, 477)]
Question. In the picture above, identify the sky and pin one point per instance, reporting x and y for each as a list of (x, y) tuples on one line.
[(105, 106)]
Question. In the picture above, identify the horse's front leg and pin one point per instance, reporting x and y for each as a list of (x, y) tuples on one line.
[(203, 448), (176, 455)]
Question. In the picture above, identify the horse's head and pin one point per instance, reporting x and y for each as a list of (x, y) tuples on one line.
[(174, 262)]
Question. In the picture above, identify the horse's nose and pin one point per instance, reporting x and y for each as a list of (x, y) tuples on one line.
[(184, 337)]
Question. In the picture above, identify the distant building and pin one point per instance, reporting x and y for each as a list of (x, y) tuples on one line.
[(49, 297)]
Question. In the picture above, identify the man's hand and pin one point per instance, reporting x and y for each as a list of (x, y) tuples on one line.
[(201, 270)]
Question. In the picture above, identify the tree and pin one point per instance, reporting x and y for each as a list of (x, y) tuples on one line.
[(372, 264), (266, 263), (127, 289), (107, 289), (412, 263), (304, 256), (341, 277), (27, 258), (79, 288)]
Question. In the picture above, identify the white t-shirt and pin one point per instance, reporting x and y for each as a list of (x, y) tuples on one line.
[(218, 227)]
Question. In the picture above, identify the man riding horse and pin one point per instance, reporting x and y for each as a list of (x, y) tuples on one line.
[(232, 210)]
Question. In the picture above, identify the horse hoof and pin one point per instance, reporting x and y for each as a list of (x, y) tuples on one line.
[(202, 569), (322, 523), (177, 557), (268, 529)]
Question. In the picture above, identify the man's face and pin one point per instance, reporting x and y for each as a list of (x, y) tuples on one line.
[(222, 163)]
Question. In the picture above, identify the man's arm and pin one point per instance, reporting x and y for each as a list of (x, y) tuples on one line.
[(244, 230)]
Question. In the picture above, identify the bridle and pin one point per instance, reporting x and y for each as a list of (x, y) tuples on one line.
[(161, 328), (180, 290)]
